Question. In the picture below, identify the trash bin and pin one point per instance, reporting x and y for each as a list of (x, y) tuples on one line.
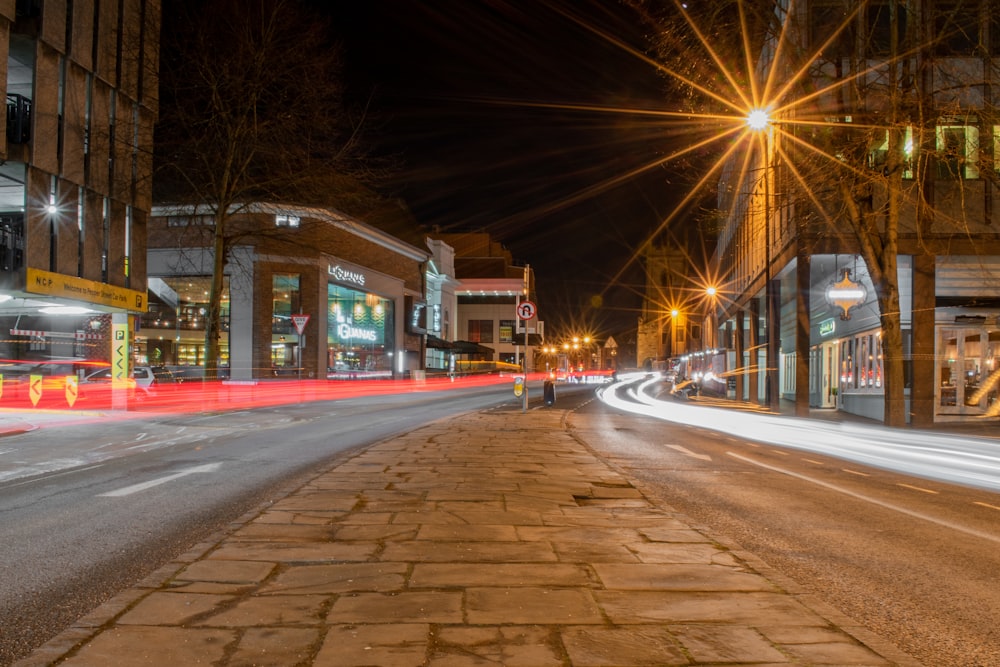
[(549, 392)]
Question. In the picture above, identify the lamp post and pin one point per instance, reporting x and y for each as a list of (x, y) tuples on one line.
[(759, 120)]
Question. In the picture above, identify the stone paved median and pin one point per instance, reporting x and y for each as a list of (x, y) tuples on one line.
[(495, 538)]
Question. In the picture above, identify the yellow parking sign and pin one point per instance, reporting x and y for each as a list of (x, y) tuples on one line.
[(518, 386), (72, 390), (35, 388)]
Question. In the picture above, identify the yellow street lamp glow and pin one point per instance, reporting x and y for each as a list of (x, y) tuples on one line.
[(710, 291), (758, 119), (675, 312)]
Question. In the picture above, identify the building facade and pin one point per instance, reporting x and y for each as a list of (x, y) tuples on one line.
[(309, 293), (490, 334), (670, 325), (906, 96), (75, 193)]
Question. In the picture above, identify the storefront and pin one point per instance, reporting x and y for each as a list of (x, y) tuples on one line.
[(292, 305), (360, 328)]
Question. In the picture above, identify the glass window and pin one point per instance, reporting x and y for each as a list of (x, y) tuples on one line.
[(285, 301), (173, 328), (956, 27), (827, 14), (360, 328), (958, 151), (481, 331), (878, 157), (881, 16)]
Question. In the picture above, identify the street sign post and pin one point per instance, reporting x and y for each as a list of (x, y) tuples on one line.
[(526, 310), (300, 321)]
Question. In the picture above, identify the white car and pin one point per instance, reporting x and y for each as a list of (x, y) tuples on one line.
[(145, 377)]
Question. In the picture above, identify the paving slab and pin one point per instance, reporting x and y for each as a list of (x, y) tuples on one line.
[(495, 538)]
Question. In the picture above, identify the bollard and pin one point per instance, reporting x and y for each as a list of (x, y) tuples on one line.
[(549, 392)]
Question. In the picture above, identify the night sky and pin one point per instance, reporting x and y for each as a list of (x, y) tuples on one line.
[(451, 83)]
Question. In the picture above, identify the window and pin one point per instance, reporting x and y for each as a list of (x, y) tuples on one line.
[(284, 220), (881, 17), (878, 157), (996, 148), (285, 302), (480, 331), (956, 25), (824, 16), (506, 331), (958, 151), (190, 220)]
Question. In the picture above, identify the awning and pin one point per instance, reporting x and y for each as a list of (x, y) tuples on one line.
[(436, 343), (468, 348)]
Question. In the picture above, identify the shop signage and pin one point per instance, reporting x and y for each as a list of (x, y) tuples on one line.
[(347, 331), (827, 327), (343, 275), (846, 294), (90, 291)]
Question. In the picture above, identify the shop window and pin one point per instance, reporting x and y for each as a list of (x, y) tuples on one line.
[(360, 329), (285, 301), (958, 151), (178, 309), (481, 331)]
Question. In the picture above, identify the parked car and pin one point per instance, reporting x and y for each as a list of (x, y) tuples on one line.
[(144, 378)]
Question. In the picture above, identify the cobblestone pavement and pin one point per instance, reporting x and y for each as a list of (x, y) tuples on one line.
[(494, 538)]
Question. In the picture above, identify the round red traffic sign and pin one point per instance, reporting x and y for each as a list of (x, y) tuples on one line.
[(526, 310)]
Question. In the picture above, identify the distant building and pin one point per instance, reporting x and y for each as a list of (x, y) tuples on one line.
[(488, 328), (670, 323)]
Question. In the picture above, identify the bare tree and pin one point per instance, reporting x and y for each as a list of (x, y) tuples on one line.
[(251, 111), (860, 88)]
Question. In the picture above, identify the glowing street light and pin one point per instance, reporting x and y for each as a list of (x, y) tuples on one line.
[(758, 119)]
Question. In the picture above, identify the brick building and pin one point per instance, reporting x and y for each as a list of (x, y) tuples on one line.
[(80, 80), (356, 292)]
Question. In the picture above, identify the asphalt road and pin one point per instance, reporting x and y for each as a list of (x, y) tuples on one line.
[(88, 510), (913, 560)]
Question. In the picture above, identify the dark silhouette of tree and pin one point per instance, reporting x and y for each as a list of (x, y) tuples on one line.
[(252, 111)]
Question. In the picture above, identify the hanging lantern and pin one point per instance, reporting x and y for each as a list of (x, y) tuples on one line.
[(846, 294)]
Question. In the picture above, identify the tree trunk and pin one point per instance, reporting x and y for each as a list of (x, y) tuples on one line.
[(213, 319), (892, 360)]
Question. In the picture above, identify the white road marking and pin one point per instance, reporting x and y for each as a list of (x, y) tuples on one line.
[(688, 452), (874, 501), (856, 472), (136, 488)]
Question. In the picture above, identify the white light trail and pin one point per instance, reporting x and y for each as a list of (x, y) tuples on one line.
[(951, 458)]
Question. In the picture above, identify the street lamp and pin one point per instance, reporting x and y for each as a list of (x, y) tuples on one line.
[(759, 120)]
